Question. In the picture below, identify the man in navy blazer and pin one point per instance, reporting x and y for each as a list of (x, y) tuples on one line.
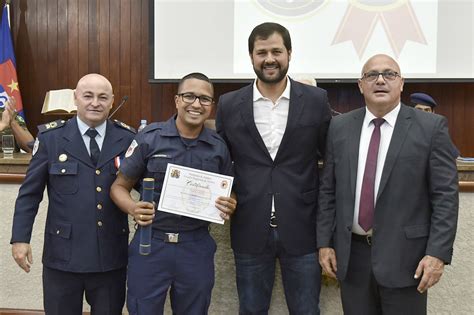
[(86, 237), (275, 129), (386, 226)]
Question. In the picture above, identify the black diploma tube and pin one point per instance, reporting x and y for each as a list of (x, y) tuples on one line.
[(145, 231)]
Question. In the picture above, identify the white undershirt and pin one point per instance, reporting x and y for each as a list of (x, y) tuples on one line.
[(386, 131), (271, 118), (83, 127)]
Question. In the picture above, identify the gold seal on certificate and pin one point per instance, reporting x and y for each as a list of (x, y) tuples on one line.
[(192, 192)]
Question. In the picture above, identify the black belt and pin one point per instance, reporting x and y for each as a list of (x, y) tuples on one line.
[(179, 237), (367, 239)]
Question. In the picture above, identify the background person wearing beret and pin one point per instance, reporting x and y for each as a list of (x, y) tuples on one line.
[(426, 103), (423, 102)]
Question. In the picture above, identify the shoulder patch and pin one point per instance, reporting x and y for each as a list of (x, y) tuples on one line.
[(51, 125), (124, 126)]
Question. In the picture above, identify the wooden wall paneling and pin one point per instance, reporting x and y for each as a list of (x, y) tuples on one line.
[(93, 37), (135, 64), (466, 125), (72, 44), (114, 54), (103, 28), (41, 55), (62, 41), (146, 102), (83, 36), (52, 42), (124, 60)]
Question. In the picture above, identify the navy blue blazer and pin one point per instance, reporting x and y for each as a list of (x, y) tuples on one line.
[(292, 178), (85, 231)]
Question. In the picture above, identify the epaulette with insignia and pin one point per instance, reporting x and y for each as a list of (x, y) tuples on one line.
[(51, 125), (124, 126)]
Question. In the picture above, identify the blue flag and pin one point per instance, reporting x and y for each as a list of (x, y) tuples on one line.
[(8, 77)]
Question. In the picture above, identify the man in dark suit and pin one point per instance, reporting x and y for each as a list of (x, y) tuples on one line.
[(388, 200), (86, 237), (275, 129)]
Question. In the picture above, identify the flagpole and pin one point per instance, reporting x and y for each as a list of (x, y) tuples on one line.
[(7, 4)]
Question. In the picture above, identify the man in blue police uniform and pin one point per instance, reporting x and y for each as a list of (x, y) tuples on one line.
[(85, 247), (182, 256)]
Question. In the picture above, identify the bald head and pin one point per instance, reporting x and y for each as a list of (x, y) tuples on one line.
[(94, 98), (94, 79), (380, 58)]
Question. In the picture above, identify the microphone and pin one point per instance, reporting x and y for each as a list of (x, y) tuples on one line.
[(124, 99), (145, 231)]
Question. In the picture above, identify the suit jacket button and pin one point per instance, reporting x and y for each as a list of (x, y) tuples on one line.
[(63, 171), (97, 172), (99, 206), (57, 232), (99, 223), (99, 189)]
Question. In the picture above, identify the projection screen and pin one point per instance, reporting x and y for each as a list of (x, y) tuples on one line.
[(331, 39)]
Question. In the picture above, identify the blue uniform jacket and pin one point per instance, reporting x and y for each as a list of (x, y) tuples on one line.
[(85, 231), (159, 144)]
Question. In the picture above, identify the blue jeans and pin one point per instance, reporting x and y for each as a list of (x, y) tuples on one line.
[(255, 273)]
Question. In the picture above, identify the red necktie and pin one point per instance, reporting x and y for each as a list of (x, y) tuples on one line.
[(366, 206)]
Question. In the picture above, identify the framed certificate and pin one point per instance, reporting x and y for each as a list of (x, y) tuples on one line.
[(192, 193)]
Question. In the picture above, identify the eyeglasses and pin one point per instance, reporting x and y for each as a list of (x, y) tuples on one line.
[(190, 98), (374, 75)]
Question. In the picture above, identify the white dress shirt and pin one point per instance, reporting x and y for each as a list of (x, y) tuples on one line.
[(386, 131), (83, 127), (270, 119)]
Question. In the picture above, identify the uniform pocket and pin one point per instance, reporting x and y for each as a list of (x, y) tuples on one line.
[(59, 241), (210, 165), (63, 177)]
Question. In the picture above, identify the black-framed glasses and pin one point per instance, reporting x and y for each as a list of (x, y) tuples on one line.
[(372, 76), (190, 98)]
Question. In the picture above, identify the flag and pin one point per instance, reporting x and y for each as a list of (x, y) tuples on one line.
[(8, 78)]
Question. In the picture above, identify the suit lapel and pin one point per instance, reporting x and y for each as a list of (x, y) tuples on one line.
[(354, 131), (74, 144), (246, 111), (295, 109), (399, 135)]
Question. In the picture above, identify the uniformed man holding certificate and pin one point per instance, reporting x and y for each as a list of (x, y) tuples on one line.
[(182, 251)]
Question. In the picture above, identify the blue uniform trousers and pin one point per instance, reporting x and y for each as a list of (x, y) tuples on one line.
[(64, 292), (186, 268)]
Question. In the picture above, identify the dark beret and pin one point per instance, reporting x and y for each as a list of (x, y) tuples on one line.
[(423, 99)]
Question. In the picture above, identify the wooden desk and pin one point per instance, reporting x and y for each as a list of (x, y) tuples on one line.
[(466, 176), (14, 170)]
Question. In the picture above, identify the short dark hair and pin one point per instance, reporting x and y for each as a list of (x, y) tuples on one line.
[(265, 30), (195, 75)]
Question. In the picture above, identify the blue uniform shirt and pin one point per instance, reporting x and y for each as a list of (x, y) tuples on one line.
[(159, 144)]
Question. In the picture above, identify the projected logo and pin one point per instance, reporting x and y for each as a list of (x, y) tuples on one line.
[(397, 17), (3, 97), (291, 8)]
